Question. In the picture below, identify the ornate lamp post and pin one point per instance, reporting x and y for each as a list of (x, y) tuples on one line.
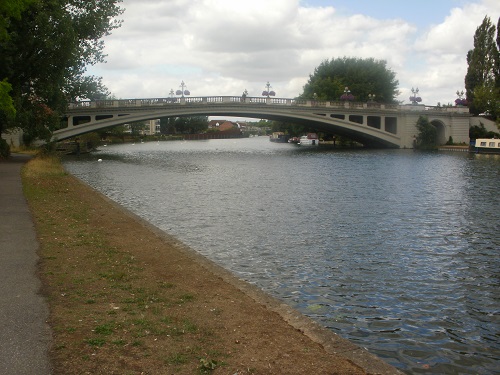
[(171, 98), (415, 99), (182, 92), (371, 98), (347, 96), (460, 101), (268, 92)]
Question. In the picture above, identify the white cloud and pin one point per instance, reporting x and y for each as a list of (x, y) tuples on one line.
[(455, 33), (443, 48)]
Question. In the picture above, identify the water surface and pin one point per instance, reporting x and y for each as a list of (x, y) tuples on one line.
[(396, 250)]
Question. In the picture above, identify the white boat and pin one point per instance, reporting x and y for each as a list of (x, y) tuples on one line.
[(311, 139), (486, 146)]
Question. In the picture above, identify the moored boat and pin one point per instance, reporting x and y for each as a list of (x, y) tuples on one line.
[(311, 139), (486, 146)]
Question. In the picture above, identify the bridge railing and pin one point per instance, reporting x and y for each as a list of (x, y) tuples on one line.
[(214, 100)]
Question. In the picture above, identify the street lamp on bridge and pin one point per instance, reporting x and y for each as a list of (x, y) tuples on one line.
[(171, 94), (268, 92), (347, 94), (415, 99), (461, 101), (182, 92)]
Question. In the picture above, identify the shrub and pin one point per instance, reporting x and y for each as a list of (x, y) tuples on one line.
[(4, 149)]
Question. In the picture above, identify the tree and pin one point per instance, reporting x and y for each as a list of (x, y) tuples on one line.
[(291, 128), (363, 77), (480, 131), (45, 56), (427, 134), (498, 49), (191, 125), (6, 102), (167, 125), (482, 81), (9, 10), (137, 128)]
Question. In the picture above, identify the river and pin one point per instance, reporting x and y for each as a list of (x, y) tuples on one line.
[(395, 250)]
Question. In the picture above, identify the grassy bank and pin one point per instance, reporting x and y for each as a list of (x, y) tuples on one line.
[(124, 300)]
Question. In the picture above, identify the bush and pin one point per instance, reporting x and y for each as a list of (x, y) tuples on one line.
[(426, 138), (476, 132), (4, 149)]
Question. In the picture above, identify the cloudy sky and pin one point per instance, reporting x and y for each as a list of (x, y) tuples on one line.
[(222, 47)]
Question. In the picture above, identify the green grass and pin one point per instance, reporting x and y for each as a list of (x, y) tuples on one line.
[(96, 342), (177, 359), (105, 329)]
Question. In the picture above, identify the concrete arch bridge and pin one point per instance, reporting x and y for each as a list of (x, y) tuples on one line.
[(372, 124)]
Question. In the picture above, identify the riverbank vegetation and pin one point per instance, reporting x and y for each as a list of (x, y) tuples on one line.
[(125, 299), (427, 133), (45, 50)]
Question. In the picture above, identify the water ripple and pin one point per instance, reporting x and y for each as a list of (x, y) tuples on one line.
[(395, 250)]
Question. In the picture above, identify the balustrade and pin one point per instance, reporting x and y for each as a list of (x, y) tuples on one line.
[(214, 99), (147, 102)]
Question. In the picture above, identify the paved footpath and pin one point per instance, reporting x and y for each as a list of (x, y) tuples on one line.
[(24, 334)]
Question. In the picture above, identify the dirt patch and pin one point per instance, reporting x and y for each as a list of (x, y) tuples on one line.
[(127, 299)]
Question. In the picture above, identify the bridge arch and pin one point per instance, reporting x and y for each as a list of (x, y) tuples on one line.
[(441, 137), (372, 124), (373, 138)]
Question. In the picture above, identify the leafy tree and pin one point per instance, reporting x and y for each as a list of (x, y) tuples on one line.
[(498, 60), (482, 81), (480, 131), (45, 55), (167, 125), (9, 10), (427, 134), (290, 128), (191, 125), (363, 77), (486, 100), (137, 128), (6, 102), (112, 133)]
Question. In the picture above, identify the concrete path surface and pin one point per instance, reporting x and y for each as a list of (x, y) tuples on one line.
[(24, 334)]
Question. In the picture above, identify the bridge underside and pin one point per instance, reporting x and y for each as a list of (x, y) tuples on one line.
[(340, 128), (372, 130)]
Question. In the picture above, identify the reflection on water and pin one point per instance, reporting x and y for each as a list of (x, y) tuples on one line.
[(396, 250)]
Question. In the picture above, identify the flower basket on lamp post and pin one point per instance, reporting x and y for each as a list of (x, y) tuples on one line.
[(183, 91), (347, 96), (268, 92), (415, 99), (461, 101)]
